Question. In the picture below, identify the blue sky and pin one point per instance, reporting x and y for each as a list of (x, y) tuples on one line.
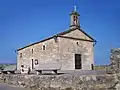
[(26, 21)]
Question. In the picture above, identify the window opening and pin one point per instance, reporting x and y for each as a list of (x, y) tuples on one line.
[(20, 55), (36, 62), (43, 47)]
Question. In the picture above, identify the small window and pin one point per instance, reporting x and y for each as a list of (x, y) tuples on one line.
[(43, 47), (74, 17), (32, 51), (22, 70), (77, 43), (20, 55), (22, 66), (36, 62)]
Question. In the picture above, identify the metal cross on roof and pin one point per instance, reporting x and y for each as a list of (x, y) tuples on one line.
[(75, 8)]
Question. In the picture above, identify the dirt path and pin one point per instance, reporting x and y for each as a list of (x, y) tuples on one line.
[(7, 87)]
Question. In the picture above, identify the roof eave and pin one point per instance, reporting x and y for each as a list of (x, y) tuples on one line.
[(35, 43)]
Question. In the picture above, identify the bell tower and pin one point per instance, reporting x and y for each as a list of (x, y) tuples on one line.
[(74, 23)]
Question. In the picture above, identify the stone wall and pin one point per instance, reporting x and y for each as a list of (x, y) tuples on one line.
[(64, 82), (70, 48), (43, 56), (63, 51), (115, 60)]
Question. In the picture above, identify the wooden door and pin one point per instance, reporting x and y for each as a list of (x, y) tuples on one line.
[(78, 64)]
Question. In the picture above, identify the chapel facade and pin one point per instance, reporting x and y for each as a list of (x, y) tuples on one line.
[(72, 49)]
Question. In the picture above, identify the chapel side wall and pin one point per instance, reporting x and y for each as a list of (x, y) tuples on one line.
[(25, 59), (43, 56), (68, 49)]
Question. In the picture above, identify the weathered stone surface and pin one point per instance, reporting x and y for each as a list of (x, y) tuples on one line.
[(63, 51), (64, 82), (115, 60)]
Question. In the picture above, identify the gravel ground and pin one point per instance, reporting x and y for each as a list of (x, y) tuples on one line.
[(7, 87)]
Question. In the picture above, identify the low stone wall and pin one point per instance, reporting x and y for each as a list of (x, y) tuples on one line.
[(64, 82)]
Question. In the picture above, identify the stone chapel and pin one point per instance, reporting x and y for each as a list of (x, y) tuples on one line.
[(72, 49)]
